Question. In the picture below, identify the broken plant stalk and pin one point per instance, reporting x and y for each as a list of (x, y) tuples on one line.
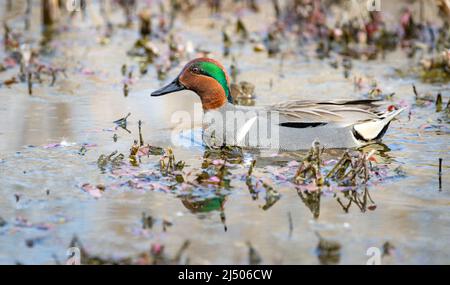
[(141, 140)]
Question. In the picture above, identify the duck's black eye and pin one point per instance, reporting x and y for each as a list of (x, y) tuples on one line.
[(195, 69)]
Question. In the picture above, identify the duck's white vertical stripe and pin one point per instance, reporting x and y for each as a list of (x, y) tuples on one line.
[(245, 129)]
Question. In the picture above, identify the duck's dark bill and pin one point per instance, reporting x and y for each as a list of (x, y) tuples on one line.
[(172, 87)]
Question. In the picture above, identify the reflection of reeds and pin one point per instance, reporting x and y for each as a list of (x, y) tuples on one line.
[(312, 201), (271, 195), (156, 255), (291, 224), (362, 200), (352, 170), (254, 258)]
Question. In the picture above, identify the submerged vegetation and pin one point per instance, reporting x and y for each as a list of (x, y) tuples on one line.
[(155, 256)]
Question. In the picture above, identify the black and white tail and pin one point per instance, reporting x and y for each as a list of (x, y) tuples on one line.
[(374, 130)]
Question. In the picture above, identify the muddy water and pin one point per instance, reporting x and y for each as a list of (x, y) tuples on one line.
[(40, 182)]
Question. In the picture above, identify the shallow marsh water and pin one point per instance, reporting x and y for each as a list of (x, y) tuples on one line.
[(41, 182)]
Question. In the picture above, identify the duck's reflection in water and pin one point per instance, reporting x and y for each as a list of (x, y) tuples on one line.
[(345, 199), (361, 199), (196, 206), (311, 201)]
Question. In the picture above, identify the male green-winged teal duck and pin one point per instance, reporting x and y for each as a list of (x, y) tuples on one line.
[(291, 125)]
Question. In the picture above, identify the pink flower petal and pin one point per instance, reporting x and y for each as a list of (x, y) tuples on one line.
[(214, 179)]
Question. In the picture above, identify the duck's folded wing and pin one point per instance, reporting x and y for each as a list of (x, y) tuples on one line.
[(342, 112), (362, 103)]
